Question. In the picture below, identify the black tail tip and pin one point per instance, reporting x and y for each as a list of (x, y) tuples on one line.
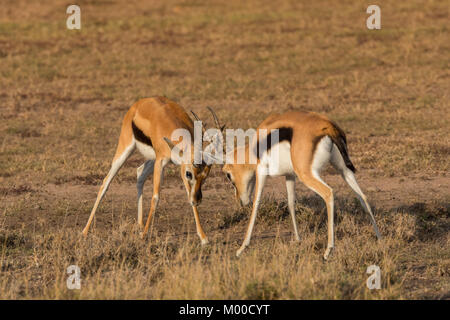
[(351, 167)]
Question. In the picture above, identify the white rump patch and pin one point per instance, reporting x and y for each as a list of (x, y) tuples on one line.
[(322, 156)]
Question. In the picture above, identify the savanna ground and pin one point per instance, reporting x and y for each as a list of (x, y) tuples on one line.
[(63, 94)]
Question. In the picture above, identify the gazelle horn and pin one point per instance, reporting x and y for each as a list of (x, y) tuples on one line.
[(216, 119)]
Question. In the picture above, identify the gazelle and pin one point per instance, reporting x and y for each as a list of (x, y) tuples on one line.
[(307, 142), (147, 126)]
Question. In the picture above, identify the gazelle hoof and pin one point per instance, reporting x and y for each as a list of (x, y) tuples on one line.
[(204, 241), (327, 253)]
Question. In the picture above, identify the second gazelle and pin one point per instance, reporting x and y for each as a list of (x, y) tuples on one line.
[(306, 143)]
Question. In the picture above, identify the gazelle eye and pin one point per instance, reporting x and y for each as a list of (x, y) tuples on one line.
[(188, 175)]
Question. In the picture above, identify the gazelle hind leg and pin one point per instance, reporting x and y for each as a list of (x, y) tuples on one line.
[(308, 173), (142, 174), (119, 160), (158, 174), (290, 187), (312, 181), (351, 180), (338, 163)]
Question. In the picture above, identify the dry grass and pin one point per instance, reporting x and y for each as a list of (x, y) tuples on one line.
[(119, 265), (63, 94)]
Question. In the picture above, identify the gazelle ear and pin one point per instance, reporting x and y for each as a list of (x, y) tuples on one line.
[(172, 146), (169, 143)]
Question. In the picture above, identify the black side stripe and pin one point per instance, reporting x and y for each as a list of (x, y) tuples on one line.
[(284, 134), (140, 136)]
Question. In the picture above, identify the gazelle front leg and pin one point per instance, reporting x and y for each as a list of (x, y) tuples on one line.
[(142, 174), (290, 186), (260, 179), (200, 231), (157, 179)]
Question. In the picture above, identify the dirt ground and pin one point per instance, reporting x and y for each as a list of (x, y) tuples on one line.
[(63, 94)]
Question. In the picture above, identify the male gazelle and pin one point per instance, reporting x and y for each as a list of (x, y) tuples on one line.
[(147, 126), (306, 143)]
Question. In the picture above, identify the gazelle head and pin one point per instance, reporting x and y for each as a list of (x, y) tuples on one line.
[(242, 177), (193, 174), (193, 177)]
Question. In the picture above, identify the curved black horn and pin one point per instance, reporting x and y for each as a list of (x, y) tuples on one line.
[(195, 116), (198, 119), (216, 119)]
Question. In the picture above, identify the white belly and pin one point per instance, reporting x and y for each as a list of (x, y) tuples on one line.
[(277, 162), (147, 151)]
